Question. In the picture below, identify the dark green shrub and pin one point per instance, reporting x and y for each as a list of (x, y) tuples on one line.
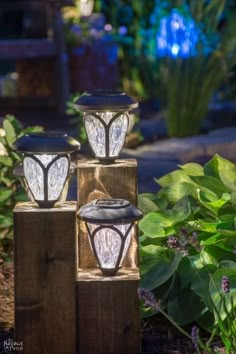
[(11, 190), (188, 242)]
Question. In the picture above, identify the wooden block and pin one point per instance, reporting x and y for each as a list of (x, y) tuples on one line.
[(108, 313), (45, 273), (96, 180)]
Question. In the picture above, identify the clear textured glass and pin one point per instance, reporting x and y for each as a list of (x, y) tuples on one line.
[(34, 176), (107, 243), (97, 133), (117, 134), (57, 175)]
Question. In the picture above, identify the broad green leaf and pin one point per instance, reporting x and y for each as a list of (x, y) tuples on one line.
[(158, 264), (150, 225), (178, 190), (4, 194), (173, 177), (186, 272), (211, 167), (154, 223), (146, 204), (209, 201), (10, 131), (227, 172), (222, 169), (211, 183), (213, 240), (6, 161), (227, 264), (192, 169), (210, 227), (200, 283), (217, 294), (206, 321), (219, 253), (185, 307)]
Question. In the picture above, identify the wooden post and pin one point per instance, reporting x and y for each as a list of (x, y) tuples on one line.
[(95, 180), (108, 316), (45, 273), (107, 307)]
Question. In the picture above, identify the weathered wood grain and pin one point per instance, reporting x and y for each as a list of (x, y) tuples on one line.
[(96, 180), (45, 273), (108, 313)]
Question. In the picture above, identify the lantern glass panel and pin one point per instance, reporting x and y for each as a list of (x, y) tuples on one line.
[(108, 243), (34, 176), (117, 134), (98, 129), (56, 175)]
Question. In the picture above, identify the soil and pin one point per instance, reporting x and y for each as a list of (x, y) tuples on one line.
[(157, 335)]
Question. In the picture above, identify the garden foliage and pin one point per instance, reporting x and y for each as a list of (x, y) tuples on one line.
[(188, 243), (11, 189)]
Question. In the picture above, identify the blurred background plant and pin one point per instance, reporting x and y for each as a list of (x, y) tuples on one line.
[(11, 189), (176, 52)]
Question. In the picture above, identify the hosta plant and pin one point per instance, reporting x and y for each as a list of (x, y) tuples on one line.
[(188, 243), (11, 189)]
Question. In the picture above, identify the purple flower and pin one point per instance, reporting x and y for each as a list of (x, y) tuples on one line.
[(173, 242), (225, 284), (108, 27), (148, 298), (122, 30), (184, 231), (194, 335)]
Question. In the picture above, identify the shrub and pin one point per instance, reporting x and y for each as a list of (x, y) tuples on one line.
[(188, 242), (11, 190)]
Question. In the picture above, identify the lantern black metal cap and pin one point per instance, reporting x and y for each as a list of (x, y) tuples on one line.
[(110, 211), (105, 100), (46, 142)]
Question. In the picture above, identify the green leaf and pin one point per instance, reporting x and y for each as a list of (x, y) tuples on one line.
[(173, 177), (222, 169), (200, 283), (158, 264), (4, 194), (185, 307), (10, 131), (186, 272), (178, 190), (146, 204), (213, 240), (214, 204), (211, 183), (206, 321), (6, 161), (154, 223), (192, 169), (150, 225)]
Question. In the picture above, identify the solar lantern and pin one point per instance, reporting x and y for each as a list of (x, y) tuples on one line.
[(106, 120), (46, 164), (110, 225)]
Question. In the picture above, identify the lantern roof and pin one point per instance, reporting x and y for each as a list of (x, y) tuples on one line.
[(110, 211), (46, 142), (106, 101)]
